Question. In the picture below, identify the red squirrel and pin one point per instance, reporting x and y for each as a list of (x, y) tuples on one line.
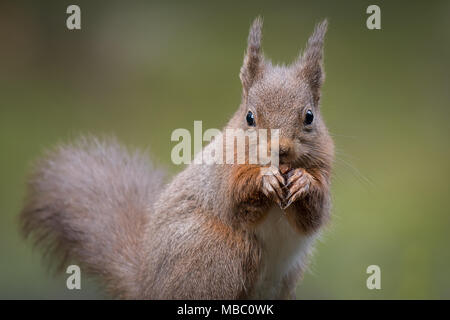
[(216, 231)]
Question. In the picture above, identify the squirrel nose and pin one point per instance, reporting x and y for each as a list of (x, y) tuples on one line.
[(284, 151)]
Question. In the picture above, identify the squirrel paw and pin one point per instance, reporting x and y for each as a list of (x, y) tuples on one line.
[(272, 184), (298, 183)]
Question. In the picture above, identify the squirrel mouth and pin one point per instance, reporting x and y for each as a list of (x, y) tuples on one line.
[(292, 162), (285, 168)]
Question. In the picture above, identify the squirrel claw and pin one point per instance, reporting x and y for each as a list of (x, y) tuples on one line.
[(284, 207), (281, 205), (297, 185)]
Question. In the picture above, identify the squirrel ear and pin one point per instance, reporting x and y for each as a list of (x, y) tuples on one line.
[(253, 59), (310, 64)]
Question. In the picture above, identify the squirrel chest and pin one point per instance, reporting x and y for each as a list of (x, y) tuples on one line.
[(284, 254)]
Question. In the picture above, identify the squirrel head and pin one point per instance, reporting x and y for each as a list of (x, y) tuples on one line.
[(287, 98)]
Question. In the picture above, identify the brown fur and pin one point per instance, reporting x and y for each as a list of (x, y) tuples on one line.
[(197, 237), (90, 201)]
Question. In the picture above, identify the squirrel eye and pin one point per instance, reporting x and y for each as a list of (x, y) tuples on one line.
[(309, 117), (250, 119)]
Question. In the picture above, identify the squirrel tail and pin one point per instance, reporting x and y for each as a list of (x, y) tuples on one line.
[(90, 202)]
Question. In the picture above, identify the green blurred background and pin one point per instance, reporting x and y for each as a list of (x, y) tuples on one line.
[(139, 70)]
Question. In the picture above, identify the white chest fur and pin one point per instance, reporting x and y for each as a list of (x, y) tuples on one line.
[(284, 249)]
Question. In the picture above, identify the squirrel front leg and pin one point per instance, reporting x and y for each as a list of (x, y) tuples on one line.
[(253, 189), (307, 199)]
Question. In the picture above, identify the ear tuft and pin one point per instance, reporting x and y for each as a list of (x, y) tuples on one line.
[(253, 59), (311, 62)]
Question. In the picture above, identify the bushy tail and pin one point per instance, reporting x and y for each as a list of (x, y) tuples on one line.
[(90, 202)]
